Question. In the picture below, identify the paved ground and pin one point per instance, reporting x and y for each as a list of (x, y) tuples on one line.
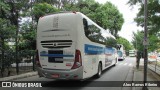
[(124, 71), (151, 76), (21, 76)]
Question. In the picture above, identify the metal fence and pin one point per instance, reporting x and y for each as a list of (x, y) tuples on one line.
[(154, 64), (24, 67)]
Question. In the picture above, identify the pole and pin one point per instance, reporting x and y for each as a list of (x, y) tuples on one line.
[(16, 56), (16, 40), (145, 42)]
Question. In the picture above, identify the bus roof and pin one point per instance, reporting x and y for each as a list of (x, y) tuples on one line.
[(103, 31)]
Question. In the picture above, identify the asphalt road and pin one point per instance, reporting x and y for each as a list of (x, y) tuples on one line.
[(123, 71)]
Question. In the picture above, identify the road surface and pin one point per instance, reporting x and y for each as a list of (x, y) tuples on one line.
[(123, 71)]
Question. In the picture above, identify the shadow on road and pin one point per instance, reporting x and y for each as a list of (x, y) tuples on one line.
[(90, 82)]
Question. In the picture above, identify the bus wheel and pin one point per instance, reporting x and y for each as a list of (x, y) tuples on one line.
[(99, 70)]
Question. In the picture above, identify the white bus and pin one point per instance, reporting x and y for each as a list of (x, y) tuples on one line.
[(132, 53), (65, 49), (121, 52)]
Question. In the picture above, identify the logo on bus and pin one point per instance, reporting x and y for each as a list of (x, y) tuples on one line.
[(55, 44)]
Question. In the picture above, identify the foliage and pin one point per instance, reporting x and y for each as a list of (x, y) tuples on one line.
[(11, 11), (153, 16), (153, 20), (134, 2), (13, 27), (110, 18), (4, 9), (27, 43), (6, 29), (6, 33), (41, 9), (106, 16), (138, 40), (152, 45), (125, 43)]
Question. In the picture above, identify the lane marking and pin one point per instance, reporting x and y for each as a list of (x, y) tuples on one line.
[(130, 64), (125, 64)]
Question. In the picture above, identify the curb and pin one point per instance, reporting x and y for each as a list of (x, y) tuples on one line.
[(152, 72), (19, 76)]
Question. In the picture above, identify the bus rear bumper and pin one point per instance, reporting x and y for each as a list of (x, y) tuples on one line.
[(121, 58), (75, 74)]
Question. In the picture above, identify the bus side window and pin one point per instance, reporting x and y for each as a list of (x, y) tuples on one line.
[(85, 24)]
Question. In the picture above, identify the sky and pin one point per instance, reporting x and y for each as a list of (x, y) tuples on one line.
[(129, 14)]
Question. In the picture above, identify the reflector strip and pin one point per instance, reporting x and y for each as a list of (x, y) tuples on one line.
[(56, 55)]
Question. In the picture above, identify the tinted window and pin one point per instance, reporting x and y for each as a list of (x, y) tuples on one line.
[(91, 31)]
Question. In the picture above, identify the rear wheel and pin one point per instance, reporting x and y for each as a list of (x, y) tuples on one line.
[(99, 73)]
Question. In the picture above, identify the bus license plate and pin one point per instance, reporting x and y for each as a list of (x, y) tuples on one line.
[(55, 75)]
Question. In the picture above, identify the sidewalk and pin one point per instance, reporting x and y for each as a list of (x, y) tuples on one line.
[(151, 76), (10, 78)]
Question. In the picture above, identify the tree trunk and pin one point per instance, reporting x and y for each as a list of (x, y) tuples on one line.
[(2, 68)]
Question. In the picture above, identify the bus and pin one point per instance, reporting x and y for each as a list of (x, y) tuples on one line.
[(66, 50), (132, 53), (121, 52)]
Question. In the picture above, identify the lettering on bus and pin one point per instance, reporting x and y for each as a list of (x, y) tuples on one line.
[(92, 49), (64, 35)]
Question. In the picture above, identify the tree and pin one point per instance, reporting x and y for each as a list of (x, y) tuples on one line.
[(6, 33), (153, 19), (87, 7), (106, 16), (16, 7), (138, 40), (59, 4), (152, 45), (27, 44), (13, 12), (109, 17), (134, 2), (42, 9), (125, 43), (153, 15)]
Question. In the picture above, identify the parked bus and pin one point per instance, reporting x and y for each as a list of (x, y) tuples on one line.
[(121, 52), (66, 50), (132, 53)]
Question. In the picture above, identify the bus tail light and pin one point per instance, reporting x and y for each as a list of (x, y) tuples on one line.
[(78, 60), (37, 59)]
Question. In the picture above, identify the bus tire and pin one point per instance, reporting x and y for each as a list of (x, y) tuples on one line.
[(99, 73)]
